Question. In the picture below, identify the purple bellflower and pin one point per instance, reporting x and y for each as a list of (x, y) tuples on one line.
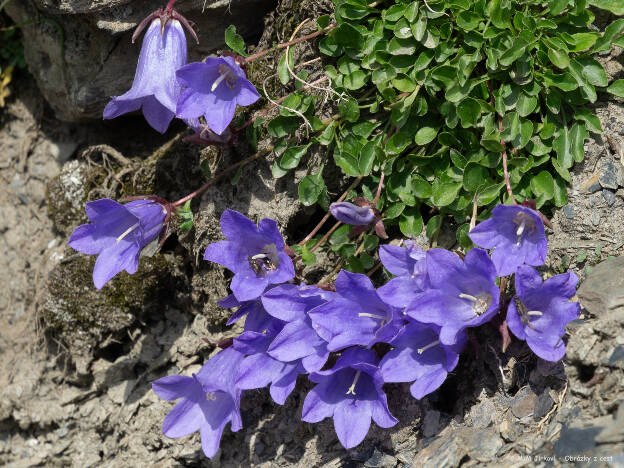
[(516, 233), (117, 234), (298, 339), (254, 253), (351, 393), (352, 214), (214, 88), (355, 315), (419, 357), (259, 369), (462, 294), (209, 400), (540, 311), (409, 264), (256, 317), (155, 88)]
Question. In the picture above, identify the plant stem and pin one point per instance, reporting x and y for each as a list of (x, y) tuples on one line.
[(218, 176), (377, 195), (169, 6), (326, 236), (258, 55), (267, 109), (328, 214)]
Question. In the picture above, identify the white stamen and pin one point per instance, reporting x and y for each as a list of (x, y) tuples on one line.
[(351, 390), (128, 231), (430, 345), (520, 229), (211, 396), (217, 82), (259, 256), (535, 312), (469, 297), (366, 314)]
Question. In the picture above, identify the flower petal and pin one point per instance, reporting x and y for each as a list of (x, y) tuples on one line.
[(352, 420)]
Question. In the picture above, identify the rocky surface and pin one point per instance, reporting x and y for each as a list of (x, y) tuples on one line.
[(80, 50), (77, 392)]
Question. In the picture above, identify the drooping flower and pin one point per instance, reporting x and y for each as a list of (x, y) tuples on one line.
[(355, 315), (540, 311), (409, 264), (352, 214), (209, 400), (297, 339), (419, 357), (214, 88), (155, 88), (351, 393), (255, 254), (462, 294), (516, 233), (256, 318), (117, 234)]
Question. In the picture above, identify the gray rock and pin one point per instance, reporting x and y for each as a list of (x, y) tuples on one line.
[(523, 403), (603, 291), (608, 175), (431, 423), (595, 218), (96, 59), (543, 405), (574, 441), (618, 354), (380, 460), (609, 196), (568, 211)]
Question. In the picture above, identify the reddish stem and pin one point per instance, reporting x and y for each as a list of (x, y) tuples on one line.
[(169, 6), (328, 214), (217, 177), (258, 55), (326, 236), (381, 180)]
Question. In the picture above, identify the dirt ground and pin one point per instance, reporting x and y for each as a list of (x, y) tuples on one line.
[(98, 409)]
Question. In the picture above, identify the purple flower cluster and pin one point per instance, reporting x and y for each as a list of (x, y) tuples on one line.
[(165, 86), (422, 315)]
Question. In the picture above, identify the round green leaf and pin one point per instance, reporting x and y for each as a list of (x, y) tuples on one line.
[(474, 176), (543, 185), (425, 135), (444, 193)]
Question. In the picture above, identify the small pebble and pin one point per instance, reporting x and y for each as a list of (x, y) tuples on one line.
[(608, 177), (595, 218), (568, 211), (609, 196)]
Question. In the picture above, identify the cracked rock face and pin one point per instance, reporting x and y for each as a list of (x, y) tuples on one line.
[(80, 51)]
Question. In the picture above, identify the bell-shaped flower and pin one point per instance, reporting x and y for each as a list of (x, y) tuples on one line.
[(409, 264), (540, 311), (155, 88), (351, 393), (355, 315), (516, 233), (462, 294), (259, 369), (298, 339), (256, 317), (255, 254), (209, 400), (117, 234), (214, 88), (352, 214), (419, 357)]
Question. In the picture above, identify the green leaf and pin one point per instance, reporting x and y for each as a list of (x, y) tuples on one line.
[(591, 120), (562, 171), (578, 135), (186, 216), (474, 176), (617, 88), (559, 58), (468, 20), (394, 210), (614, 6), (397, 143), (593, 72), (310, 188), (433, 226), (368, 155), (425, 135), (557, 6), (444, 193), (561, 145), (291, 157), (234, 40), (281, 126), (584, 40), (327, 136), (512, 54), (355, 80), (560, 194), (349, 109), (565, 81), (347, 36), (500, 13), (462, 237), (469, 111), (411, 222), (612, 31), (543, 185), (420, 187), (348, 163), (526, 104)]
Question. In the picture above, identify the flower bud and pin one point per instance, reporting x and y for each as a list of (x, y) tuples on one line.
[(352, 214)]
